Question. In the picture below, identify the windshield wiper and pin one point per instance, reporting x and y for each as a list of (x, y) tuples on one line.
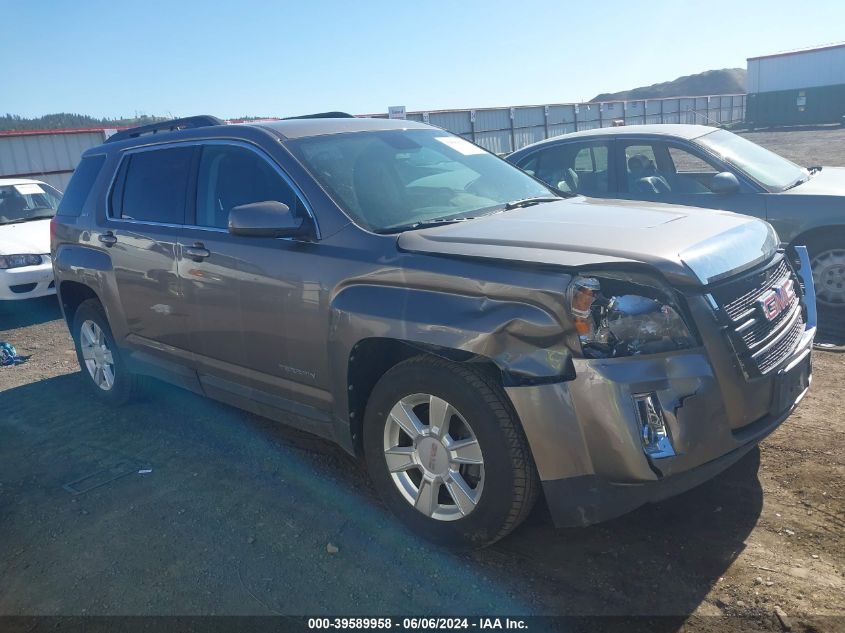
[(800, 181), (424, 223), (35, 217), (527, 202)]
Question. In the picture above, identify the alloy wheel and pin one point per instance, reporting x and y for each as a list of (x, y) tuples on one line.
[(434, 457), (98, 358)]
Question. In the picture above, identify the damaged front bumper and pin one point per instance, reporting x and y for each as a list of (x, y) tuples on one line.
[(587, 436)]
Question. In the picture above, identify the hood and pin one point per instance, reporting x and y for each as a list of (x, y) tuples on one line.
[(25, 238), (688, 246), (830, 181)]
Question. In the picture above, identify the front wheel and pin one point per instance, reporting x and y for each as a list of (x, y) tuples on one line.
[(446, 452), (827, 261)]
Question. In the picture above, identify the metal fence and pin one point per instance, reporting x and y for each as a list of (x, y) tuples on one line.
[(504, 130)]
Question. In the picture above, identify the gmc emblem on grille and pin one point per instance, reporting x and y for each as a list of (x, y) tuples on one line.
[(777, 299)]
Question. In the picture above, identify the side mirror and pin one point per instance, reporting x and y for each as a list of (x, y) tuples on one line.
[(267, 219), (724, 183)]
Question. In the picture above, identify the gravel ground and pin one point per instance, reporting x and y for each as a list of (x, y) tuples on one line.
[(236, 514), (807, 146)]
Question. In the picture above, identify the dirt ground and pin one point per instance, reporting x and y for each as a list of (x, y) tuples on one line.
[(806, 146), (235, 514)]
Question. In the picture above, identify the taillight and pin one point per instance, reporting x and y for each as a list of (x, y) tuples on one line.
[(52, 230)]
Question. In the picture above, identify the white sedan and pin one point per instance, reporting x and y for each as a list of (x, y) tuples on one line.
[(26, 207)]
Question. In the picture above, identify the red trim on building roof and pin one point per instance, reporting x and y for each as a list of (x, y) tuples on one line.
[(79, 130), (799, 51)]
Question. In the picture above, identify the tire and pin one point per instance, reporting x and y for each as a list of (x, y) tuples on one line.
[(89, 321), (476, 503), (827, 259)]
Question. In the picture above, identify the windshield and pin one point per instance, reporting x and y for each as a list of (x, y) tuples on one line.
[(767, 168), (30, 201), (395, 179)]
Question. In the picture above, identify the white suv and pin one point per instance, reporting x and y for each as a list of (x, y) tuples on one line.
[(26, 208)]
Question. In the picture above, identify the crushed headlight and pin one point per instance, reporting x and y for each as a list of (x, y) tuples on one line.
[(19, 261), (615, 318)]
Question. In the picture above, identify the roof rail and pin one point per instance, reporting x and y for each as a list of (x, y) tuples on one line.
[(203, 120), (322, 115)]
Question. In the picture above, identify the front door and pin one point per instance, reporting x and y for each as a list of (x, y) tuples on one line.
[(254, 307), (668, 171)]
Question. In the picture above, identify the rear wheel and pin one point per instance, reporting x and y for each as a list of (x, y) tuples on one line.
[(446, 452), (102, 366)]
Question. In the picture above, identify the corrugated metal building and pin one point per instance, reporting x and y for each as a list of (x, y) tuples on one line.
[(797, 87), (47, 155)]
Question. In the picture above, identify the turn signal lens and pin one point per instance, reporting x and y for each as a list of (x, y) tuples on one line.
[(583, 293)]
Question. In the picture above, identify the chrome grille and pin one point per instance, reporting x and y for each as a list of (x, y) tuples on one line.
[(760, 343), (760, 283), (771, 357)]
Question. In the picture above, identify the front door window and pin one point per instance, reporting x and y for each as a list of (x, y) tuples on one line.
[(658, 168)]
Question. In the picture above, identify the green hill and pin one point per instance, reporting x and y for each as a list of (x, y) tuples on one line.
[(711, 82)]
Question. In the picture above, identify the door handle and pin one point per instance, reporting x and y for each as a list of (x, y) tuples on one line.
[(197, 252), (107, 238)]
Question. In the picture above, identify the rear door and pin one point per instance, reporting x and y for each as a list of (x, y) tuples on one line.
[(146, 212)]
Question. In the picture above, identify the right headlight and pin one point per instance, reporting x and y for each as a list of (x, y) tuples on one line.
[(616, 318)]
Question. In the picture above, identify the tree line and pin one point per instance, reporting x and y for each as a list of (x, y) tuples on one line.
[(66, 120)]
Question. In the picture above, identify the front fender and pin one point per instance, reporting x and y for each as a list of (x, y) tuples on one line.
[(794, 216), (524, 340)]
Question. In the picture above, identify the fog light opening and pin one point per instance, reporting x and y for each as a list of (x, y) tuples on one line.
[(653, 432)]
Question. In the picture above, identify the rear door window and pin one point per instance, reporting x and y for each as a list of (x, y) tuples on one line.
[(153, 186), (575, 167), (591, 169), (80, 185)]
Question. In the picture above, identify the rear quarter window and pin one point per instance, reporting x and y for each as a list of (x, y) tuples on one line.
[(80, 185)]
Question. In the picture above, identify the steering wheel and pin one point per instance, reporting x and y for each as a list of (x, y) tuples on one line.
[(652, 184), (571, 178)]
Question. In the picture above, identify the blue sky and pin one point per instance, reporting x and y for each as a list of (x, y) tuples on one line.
[(239, 58)]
